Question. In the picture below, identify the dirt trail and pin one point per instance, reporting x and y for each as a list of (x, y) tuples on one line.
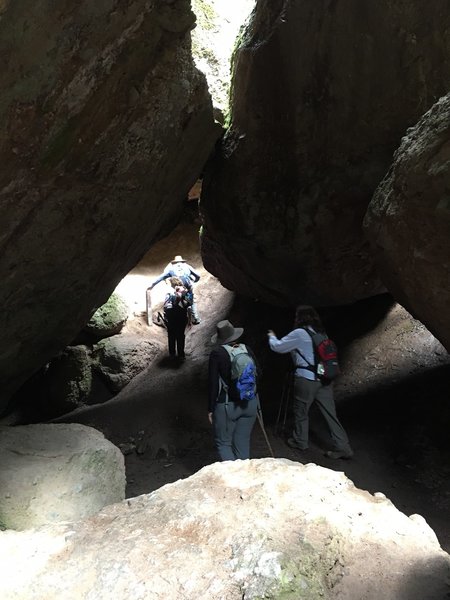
[(393, 397)]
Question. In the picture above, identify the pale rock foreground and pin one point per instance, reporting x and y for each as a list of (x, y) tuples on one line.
[(52, 473), (264, 528)]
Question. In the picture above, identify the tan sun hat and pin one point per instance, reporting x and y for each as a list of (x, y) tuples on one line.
[(178, 258), (225, 333)]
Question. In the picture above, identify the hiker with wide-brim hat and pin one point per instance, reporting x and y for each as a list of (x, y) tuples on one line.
[(178, 267), (231, 418), (226, 333)]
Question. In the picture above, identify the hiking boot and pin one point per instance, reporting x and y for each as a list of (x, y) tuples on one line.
[(293, 444), (339, 453), (196, 322)]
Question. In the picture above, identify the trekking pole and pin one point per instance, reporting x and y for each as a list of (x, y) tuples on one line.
[(260, 419), (283, 408)]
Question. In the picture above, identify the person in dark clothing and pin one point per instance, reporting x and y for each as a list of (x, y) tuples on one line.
[(176, 305), (232, 419), (308, 388), (178, 267)]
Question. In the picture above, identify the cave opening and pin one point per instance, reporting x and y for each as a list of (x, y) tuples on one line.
[(393, 392)]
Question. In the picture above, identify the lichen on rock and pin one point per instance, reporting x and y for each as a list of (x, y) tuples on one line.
[(110, 318)]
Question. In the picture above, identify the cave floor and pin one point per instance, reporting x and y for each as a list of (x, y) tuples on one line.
[(393, 397)]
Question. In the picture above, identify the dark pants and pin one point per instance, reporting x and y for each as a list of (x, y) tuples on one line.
[(176, 326), (187, 282), (233, 424), (305, 393)]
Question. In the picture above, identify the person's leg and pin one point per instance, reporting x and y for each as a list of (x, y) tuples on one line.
[(171, 337), (326, 405), (223, 427), (179, 335), (187, 282), (194, 312), (245, 420), (304, 393), (180, 343)]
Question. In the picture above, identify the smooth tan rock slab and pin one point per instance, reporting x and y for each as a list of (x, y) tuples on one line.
[(52, 473)]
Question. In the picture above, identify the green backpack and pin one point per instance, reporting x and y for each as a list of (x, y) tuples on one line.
[(243, 373)]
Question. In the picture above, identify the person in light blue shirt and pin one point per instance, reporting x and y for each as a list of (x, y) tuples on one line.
[(308, 387), (178, 267)]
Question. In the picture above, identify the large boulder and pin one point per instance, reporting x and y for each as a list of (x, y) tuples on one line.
[(105, 125), (109, 319), (246, 529), (322, 94), (119, 358), (408, 222), (52, 473)]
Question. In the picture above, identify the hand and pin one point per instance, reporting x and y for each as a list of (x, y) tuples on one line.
[(270, 332), (210, 415)]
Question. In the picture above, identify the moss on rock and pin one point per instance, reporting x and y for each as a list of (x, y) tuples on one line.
[(109, 319)]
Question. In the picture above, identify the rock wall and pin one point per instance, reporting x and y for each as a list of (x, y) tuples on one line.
[(322, 93), (408, 222), (245, 529), (104, 126)]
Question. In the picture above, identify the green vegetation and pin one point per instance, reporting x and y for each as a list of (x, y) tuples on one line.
[(110, 316), (205, 13), (213, 41)]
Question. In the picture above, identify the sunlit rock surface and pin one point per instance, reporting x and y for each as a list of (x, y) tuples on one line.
[(109, 319), (408, 222), (246, 529), (213, 41), (322, 94), (52, 473), (105, 125)]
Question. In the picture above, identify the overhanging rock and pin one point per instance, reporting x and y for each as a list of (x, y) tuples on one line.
[(105, 125), (322, 94), (408, 222)]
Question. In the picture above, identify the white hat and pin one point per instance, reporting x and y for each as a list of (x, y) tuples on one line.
[(178, 258)]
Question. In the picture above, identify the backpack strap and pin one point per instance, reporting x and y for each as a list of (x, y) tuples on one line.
[(222, 384), (232, 353), (309, 366)]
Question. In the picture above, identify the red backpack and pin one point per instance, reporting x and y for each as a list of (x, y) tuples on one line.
[(326, 365)]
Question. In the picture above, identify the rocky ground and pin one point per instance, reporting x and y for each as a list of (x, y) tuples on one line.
[(393, 396)]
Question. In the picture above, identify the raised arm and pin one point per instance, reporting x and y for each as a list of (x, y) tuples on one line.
[(288, 343), (159, 279)]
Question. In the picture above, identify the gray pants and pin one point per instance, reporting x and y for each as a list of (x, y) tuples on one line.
[(233, 424), (194, 312), (305, 393)]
